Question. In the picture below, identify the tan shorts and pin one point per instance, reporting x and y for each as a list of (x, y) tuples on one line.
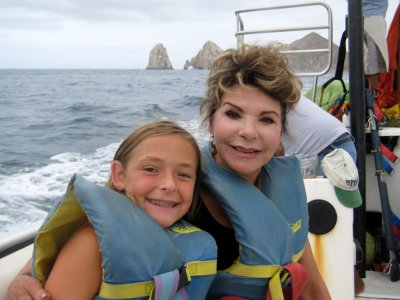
[(375, 46)]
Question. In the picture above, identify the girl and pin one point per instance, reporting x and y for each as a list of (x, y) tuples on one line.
[(118, 249)]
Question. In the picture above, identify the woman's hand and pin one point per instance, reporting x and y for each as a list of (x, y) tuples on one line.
[(26, 287)]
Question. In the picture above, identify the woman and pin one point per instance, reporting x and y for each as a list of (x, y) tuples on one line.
[(249, 93)]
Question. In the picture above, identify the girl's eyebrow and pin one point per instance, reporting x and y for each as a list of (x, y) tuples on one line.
[(156, 159)]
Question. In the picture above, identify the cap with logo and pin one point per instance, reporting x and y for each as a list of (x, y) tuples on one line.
[(342, 173)]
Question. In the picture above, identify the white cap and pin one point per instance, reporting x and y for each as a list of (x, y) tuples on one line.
[(342, 172)]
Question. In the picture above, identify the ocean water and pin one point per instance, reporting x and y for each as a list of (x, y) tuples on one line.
[(54, 123)]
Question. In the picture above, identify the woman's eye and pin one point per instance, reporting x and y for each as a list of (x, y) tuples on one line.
[(267, 120), (232, 114)]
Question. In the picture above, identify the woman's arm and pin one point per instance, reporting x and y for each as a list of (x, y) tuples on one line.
[(315, 288), (26, 287), (77, 271)]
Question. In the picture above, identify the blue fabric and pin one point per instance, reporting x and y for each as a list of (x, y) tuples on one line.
[(264, 221), (134, 247), (375, 7), (166, 285)]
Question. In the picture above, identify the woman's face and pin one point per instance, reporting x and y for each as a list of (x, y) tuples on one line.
[(159, 177), (247, 129)]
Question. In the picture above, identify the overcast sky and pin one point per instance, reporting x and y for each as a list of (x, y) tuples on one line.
[(119, 34)]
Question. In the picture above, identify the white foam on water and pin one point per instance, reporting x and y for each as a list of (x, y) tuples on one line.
[(26, 196)]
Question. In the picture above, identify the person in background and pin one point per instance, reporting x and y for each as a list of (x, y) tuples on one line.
[(100, 244), (376, 58), (259, 220), (313, 131)]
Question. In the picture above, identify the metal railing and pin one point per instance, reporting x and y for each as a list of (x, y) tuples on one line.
[(241, 32)]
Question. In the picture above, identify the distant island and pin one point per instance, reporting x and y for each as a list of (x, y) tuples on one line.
[(306, 62)]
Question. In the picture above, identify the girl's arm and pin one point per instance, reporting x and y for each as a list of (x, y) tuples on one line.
[(77, 271), (315, 288)]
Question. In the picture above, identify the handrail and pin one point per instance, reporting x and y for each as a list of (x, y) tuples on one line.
[(18, 240), (241, 32)]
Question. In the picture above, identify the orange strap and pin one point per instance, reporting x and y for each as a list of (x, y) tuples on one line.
[(298, 279)]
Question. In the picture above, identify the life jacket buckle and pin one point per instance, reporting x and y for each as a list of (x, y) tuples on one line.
[(184, 277)]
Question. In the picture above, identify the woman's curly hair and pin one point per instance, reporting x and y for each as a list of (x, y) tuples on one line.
[(263, 67)]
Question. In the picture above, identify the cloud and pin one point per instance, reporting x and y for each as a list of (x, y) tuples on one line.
[(121, 33)]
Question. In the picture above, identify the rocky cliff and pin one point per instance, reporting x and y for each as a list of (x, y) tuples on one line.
[(204, 58), (308, 62), (158, 58), (304, 62)]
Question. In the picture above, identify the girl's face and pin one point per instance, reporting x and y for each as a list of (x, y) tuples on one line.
[(247, 129), (159, 177)]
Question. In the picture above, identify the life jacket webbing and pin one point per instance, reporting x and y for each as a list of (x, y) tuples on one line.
[(257, 271), (126, 291), (298, 279), (297, 256), (261, 271), (275, 273), (167, 286), (144, 289)]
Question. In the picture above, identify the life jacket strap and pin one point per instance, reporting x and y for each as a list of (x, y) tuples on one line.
[(298, 279), (146, 288), (201, 268), (276, 274), (271, 272), (167, 286), (256, 271), (297, 256), (127, 290)]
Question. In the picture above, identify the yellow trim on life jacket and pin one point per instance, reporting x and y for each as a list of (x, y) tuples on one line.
[(297, 256), (182, 229), (261, 271), (127, 290), (265, 271), (201, 268), (144, 289)]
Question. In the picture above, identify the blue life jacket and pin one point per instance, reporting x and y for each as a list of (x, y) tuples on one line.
[(270, 224), (139, 257)]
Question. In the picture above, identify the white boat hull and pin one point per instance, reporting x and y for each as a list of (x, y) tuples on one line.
[(10, 266)]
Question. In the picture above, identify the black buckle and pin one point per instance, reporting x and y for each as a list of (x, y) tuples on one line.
[(183, 278)]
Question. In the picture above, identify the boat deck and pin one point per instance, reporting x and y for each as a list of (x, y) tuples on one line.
[(379, 286)]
